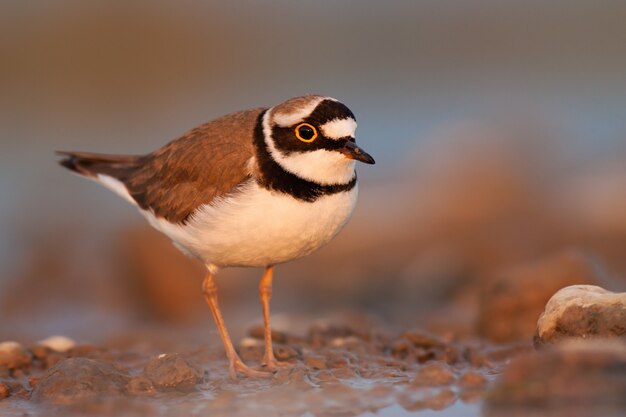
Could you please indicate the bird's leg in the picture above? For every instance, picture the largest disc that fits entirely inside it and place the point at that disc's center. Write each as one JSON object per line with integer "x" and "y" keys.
{"x": 265, "y": 293}
{"x": 235, "y": 363}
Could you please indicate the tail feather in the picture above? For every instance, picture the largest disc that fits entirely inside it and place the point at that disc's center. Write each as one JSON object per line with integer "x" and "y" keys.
{"x": 92, "y": 164}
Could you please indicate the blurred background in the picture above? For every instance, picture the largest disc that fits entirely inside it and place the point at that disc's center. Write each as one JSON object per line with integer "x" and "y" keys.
{"x": 499, "y": 131}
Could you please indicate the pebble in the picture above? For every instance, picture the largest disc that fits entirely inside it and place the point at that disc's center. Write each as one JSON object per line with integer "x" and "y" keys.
{"x": 344, "y": 373}
{"x": 326, "y": 376}
{"x": 13, "y": 355}
{"x": 337, "y": 359}
{"x": 434, "y": 374}
{"x": 79, "y": 379}
{"x": 140, "y": 385}
{"x": 173, "y": 372}
{"x": 4, "y": 391}
{"x": 582, "y": 311}
{"x": 315, "y": 362}
{"x": 472, "y": 379}
{"x": 285, "y": 353}
{"x": 427, "y": 347}
{"x": 57, "y": 343}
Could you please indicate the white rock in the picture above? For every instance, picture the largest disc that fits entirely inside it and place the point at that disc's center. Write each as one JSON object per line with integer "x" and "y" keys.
{"x": 57, "y": 343}
{"x": 10, "y": 346}
{"x": 582, "y": 311}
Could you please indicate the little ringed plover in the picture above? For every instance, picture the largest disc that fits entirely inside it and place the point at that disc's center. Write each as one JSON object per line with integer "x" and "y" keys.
{"x": 254, "y": 188}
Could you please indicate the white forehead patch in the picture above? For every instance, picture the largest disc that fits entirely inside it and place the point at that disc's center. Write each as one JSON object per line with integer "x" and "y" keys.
{"x": 291, "y": 118}
{"x": 339, "y": 128}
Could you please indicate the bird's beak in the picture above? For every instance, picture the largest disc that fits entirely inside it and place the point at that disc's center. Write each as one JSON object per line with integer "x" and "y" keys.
{"x": 350, "y": 150}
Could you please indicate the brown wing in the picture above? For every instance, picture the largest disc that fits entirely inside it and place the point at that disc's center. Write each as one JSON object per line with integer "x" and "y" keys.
{"x": 207, "y": 162}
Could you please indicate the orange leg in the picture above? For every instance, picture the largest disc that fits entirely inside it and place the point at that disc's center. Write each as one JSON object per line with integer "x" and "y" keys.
{"x": 235, "y": 363}
{"x": 265, "y": 293}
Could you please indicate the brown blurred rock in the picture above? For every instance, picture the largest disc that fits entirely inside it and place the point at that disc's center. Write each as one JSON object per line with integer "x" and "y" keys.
{"x": 140, "y": 385}
{"x": 511, "y": 303}
{"x": 472, "y": 379}
{"x": 573, "y": 374}
{"x": 582, "y": 311}
{"x": 315, "y": 362}
{"x": 285, "y": 353}
{"x": 172, "y": 372}
{"x": 13, "y": 355}
{"x": 424, "y": 347}
{"x": 4, "y": 391}
{"x": 434, "y": 374}
{"x": 79, "y": 379}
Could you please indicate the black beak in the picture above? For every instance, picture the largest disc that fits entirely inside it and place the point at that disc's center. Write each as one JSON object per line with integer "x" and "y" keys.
{"x": 350, "y": 150}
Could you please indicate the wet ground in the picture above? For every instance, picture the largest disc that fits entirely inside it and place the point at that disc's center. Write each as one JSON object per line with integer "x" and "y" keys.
{"x": 480, "y": 348}
{"x": 354, "y": 366}
{"x": 344, "y": 369}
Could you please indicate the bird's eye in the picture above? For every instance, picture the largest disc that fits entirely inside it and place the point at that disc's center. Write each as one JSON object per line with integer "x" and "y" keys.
{"x": 306, "y": 132}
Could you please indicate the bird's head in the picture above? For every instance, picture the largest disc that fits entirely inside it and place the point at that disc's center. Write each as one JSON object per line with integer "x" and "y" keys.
{"x": 313, "y": 137}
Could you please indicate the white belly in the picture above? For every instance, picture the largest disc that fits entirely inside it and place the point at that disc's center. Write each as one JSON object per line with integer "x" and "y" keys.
{"x": 257, "y": 227}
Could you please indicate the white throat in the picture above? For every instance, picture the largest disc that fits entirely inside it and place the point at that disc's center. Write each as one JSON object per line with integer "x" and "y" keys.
{"x": 320, "y": 166}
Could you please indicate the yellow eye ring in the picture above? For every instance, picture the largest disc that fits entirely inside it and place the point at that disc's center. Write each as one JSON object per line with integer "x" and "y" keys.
{"x": 306, "y": 132}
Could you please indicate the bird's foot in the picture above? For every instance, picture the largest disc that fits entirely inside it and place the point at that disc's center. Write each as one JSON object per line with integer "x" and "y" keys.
{"x": 237, "y": 366}
{"x": 272, "y": 365}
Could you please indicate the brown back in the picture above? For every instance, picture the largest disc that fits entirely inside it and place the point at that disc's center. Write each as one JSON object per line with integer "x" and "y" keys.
{"x": 206, "y": 162}
{"x": 173, "y": 181}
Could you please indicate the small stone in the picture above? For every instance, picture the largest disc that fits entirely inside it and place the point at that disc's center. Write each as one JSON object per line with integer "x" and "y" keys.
{"x": 423, "y": 339}
{"x": 33, "y": 381}
{"x": 326, "y": 376}
{"x": 315, "y": 362}
{"x": 402, "y": 348}
{"x": 321, "y": 333}
{"x": 57, "y": 343}
{"x": 4, "y": 391}
{"x": 472, "y": 379}
{"x": 78, "y": 379}
{"x": 582, "y": 311}
{"x": 172, "y": 372}
{"x": 344, "y": 373}
{"x": 285, "y": 353}
{"x": 428, "y": 347}
{"x": 13, "y": 355}
{"x": 337, "y": 359}
{"x": 40, "y": 352}
{"x": 434, "y": 374}
{"x": 298, "y": 379}
{"x": 140, "y": 385}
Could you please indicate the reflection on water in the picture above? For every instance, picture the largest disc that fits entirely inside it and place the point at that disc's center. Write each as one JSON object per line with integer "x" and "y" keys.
{"x": 458, "y": 409}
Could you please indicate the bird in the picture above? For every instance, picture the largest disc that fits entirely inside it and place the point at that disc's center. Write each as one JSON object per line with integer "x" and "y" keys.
{"x": 254, "y": 188}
